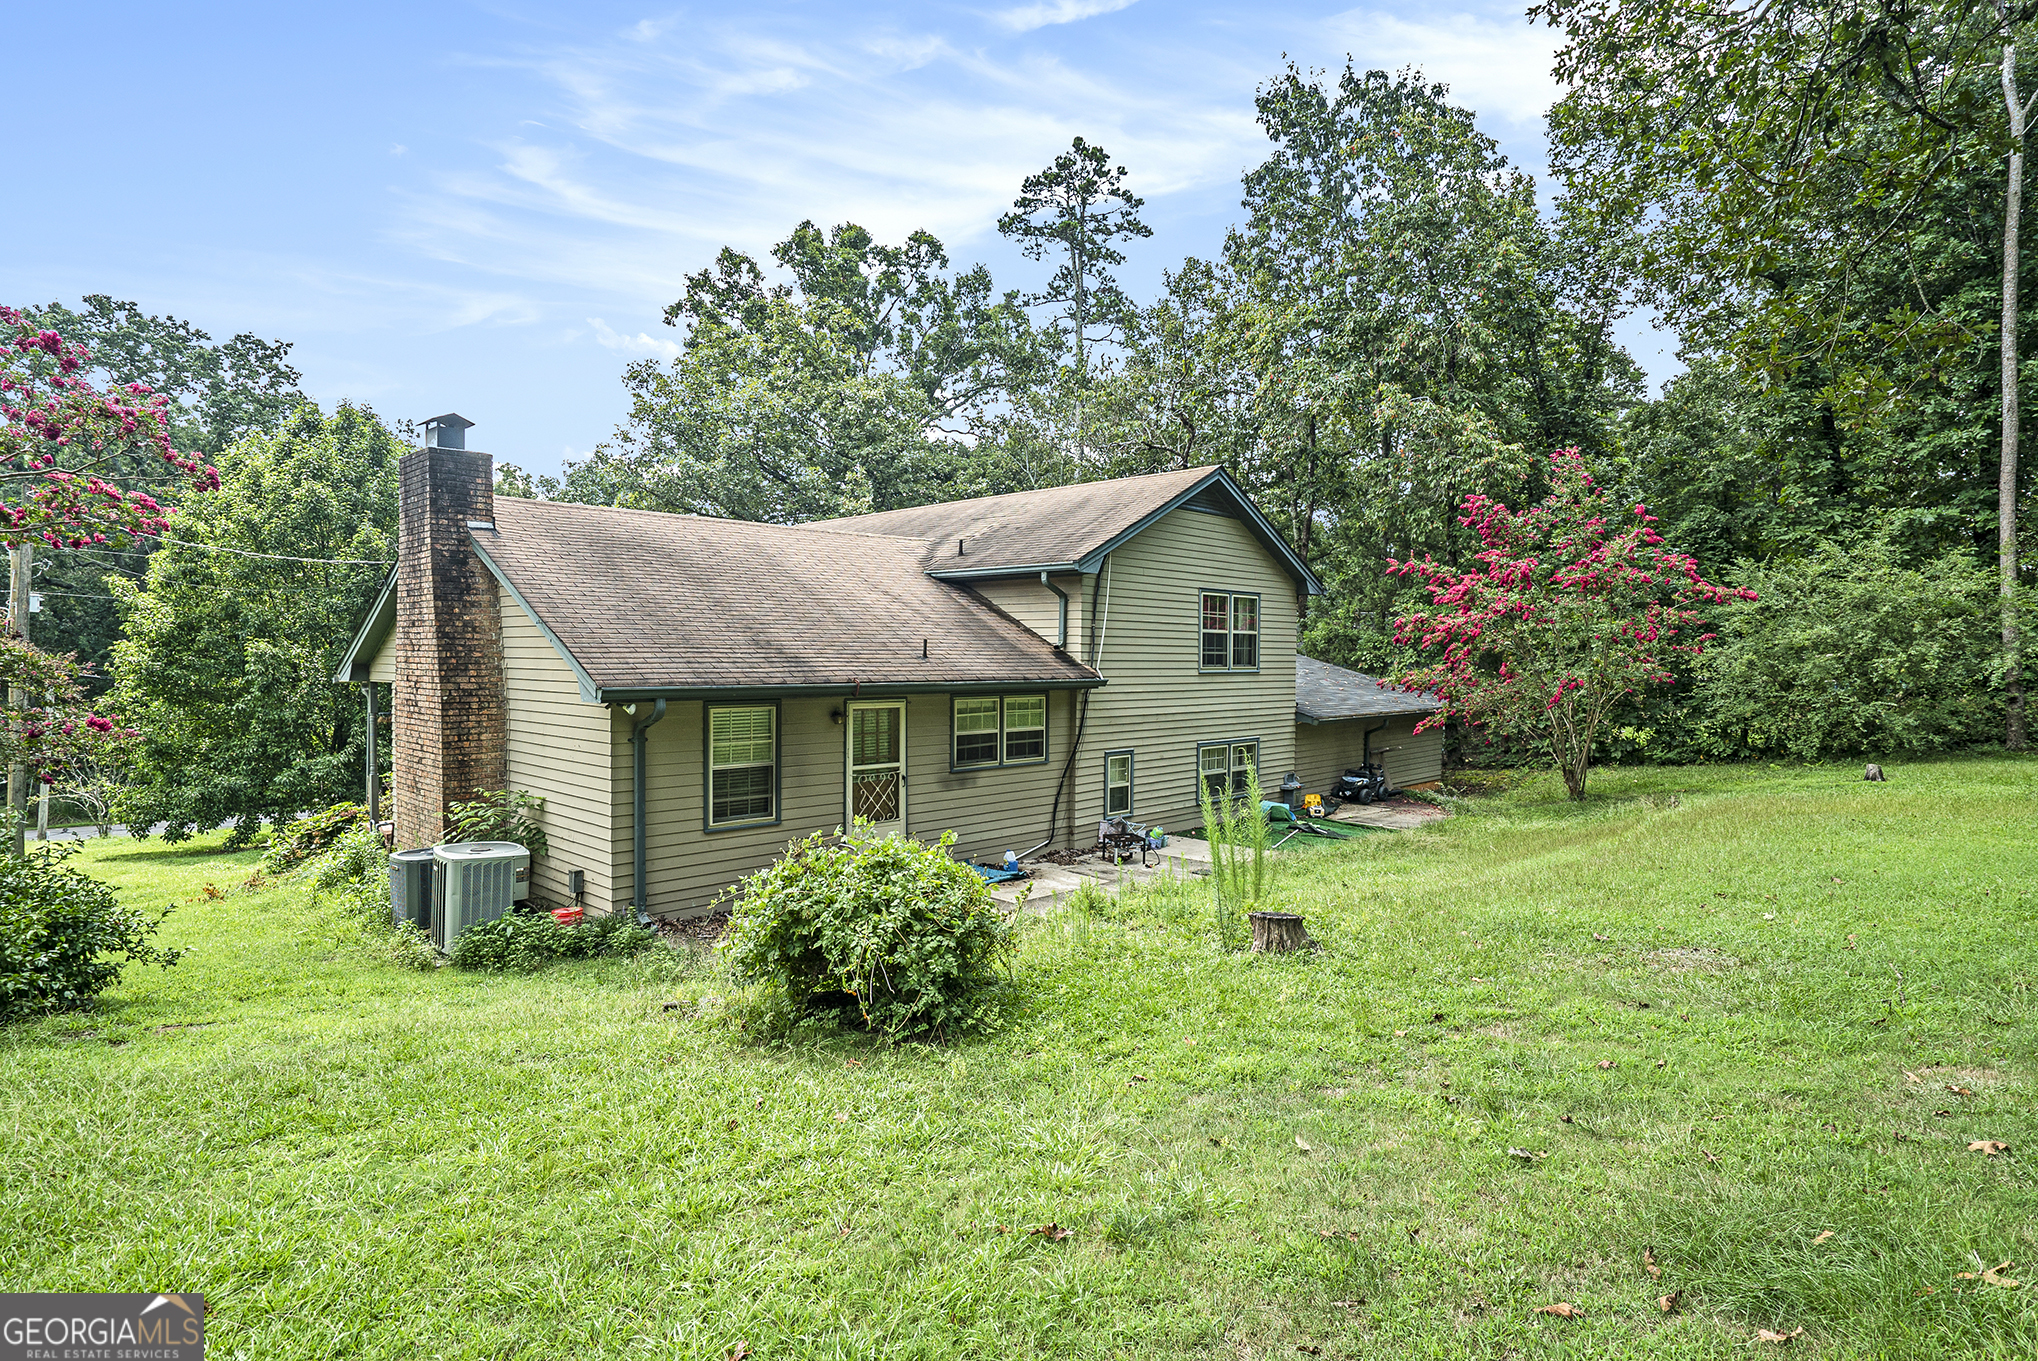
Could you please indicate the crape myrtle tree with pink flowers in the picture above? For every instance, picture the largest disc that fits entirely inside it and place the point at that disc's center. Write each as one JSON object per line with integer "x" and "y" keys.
{"x": 1577, "y": 604}
{"x": 59, "y": 436}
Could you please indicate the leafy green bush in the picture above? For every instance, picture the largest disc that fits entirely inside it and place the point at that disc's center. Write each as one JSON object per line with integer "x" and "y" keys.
{"x": 293, "y": 843}
{"x": 523, "y": 942}
{"x": 64, "y": 937}
{"x": 907, "y": 932}
{"x": 501, "y": 815}
{"x": 1850, "y": 651}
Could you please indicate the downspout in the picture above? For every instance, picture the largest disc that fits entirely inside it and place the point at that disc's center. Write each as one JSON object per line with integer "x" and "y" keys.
{"x": 1061, "y": 641}
{"x": 374, "y": 784}
{"x": 640, "y": 898}
{"x": 1083, "y": 711}
{"x": 1366, "y": 740}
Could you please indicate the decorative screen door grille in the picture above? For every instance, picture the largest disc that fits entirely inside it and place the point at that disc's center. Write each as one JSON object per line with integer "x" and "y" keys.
{"x": 877, "y": 765}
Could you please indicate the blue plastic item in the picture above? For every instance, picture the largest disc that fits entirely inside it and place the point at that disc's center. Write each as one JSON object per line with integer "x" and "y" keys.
{"x": 994, "y": 875}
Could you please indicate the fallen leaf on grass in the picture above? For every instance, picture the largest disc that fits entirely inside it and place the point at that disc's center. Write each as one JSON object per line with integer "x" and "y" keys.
{"x": 1822, "y": 1237}
{"x": 1989, "y": 1276}
{"x": 845, "y": 1231}
{"x": 1053, "y": 1233}
{"x": 1661, "y": 1062}
{"x": 1399, "y": 1033}
{"x": 1709, "y": 1157}
{"x": 1769, "y": 916}
{"x": 1560, "y": 1309}
{"x": 851, "y": 1063}
{"x": 1649, "y": 1264}
{"x": 742, "y": 1350}
{"x": 760, "y": 1103}
{"x": 1988, "y": 1146}
{"x": 1668, "y": 1303}
{"x": 1766, "y": 1335}
{"x": 1942, "y": 1112}
{"x": 1565, "y": 1118}
{"x": 1525, "y": 1155}
{"x": 1959, "y": 1091}
{"x": 1308, "y": 1350}
{"x": 733, "y": 1124}
{"x": 842, "y": 1117}
{"x": 1606, "y": 1063}
{"x": 1597, "y": 936}
{"x": 1303, "y": 1144}
{"x": 1138, "y": 1077}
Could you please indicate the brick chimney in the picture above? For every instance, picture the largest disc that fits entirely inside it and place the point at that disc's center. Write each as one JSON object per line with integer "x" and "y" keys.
{"x": 449, "y": 735}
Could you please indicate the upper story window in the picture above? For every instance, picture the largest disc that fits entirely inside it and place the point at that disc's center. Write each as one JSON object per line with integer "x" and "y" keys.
{"x": 994, "y": 730}
{"x": 1230, "y": 631}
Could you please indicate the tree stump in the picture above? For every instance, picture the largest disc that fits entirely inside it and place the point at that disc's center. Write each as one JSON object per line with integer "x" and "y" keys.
{"x": 1874, "y": 773}
{"x": 1276, "y": 933}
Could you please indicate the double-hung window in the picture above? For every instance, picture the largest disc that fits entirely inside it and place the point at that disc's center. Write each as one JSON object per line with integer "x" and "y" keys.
{"x": 1230, "y": 631}
{"x": 742, "y": 765}
{"x": 1117, "y": 784}
{"x": 994, "y": 730}
{"x": 1228, "y": 769}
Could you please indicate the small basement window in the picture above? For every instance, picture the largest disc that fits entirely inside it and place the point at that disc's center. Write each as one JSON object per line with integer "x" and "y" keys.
{"x": 742, "y": 765}
{"x": 1117, "y": 784}
{"x": 1228, "y": 768}
{"x": 1230, "y": 631}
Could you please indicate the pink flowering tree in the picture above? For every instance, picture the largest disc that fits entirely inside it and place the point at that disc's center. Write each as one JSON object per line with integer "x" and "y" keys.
{"x": 59, "y": 434}
{"x": 59, "y": 437}
{"x": 1577, "y": 604}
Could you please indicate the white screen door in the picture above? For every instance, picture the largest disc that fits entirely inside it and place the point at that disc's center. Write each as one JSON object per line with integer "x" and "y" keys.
{"x": 877, "y": 765}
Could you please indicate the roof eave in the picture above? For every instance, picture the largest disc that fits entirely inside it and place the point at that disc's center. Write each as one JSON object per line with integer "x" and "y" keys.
{"x": 589, "y": 691}
{"x": 370, "y": 634}
{"x": 626, "y": 694}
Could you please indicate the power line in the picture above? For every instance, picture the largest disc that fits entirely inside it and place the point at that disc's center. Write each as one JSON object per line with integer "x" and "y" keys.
{"x": 272, "y": 557}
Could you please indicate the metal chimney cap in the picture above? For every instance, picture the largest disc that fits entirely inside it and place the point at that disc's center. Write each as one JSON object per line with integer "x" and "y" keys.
{"x": 447, "y": 432}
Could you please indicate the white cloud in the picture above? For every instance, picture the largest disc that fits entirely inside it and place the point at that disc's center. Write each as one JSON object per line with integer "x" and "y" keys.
{"x": 639, "y": 343}
{"x": 1025, "y": 18}
{"x": 659, "y": 149}
{"x": 1498, "y": 66}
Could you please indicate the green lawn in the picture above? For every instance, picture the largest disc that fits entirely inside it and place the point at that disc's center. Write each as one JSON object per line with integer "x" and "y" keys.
{"x": 1786, "y": 968}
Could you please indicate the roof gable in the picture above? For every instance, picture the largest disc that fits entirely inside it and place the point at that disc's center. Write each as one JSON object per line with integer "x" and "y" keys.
{"x": 1067, "y": 528}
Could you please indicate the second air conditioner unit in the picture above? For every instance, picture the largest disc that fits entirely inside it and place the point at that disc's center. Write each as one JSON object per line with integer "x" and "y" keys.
{"x": 474, "y": 881}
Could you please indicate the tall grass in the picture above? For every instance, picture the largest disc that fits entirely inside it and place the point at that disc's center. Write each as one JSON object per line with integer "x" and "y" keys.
{"x": 1241, "y": 871}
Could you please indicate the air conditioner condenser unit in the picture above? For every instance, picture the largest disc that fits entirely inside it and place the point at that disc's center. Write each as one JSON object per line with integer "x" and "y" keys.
{"x": 410, "y": 889}
{"x": 475, "y": 881}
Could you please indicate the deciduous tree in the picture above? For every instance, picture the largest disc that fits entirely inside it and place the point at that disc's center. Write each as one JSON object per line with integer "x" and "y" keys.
{"x": 1577, "y": 604}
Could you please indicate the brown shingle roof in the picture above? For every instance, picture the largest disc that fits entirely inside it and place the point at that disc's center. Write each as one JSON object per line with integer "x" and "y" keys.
{"x": 1324, "y": 693}
{"x": 649, "y": 601}
{"x": 1051, "y": 527}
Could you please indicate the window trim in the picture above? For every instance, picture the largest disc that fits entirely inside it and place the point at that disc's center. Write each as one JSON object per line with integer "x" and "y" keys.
{"x": 1046, "y": 732}
{"x": 1131, "y": 782}
{"x": 708, "y": 823}
{"x": 1005, "y": 730}
{"x": 997, "y": 733}
{"x": 1231, "y": 632}
{"x": 1259, "y": 764}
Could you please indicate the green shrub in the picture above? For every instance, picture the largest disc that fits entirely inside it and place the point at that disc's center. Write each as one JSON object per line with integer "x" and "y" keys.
{"x": 523, "y": 942}
{"x": 1850, "y": 651}
{"x": 500, "y": 815}
{"x": 293, "y": 843}
{"x": 907, "y": 932}
{"x": 64, "y": 937}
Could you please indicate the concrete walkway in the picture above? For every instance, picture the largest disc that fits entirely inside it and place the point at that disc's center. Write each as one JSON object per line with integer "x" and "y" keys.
{"x": 1183, "y": 857}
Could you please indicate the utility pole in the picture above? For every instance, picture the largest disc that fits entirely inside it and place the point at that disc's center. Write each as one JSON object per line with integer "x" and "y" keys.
{"x": 22, "y": 557}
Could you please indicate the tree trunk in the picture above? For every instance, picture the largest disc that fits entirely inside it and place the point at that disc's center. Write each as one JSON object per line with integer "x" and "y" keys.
{"x": 1276, "y": 933}
{"x": 2006, "y": 486}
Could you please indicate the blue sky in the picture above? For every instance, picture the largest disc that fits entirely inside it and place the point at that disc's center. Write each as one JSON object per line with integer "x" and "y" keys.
{"x": 485, "y": 207}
